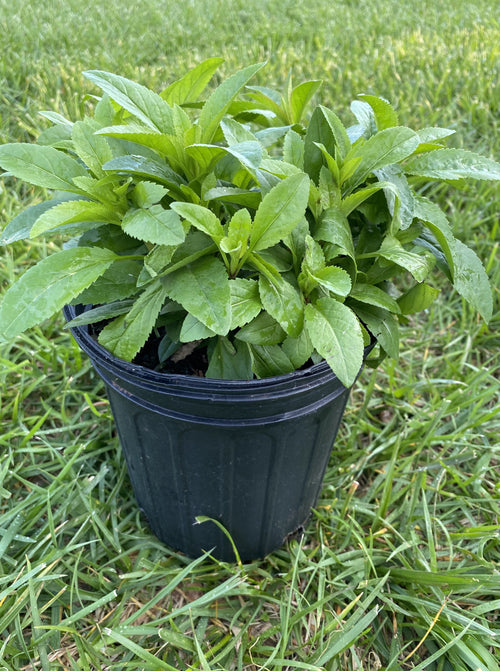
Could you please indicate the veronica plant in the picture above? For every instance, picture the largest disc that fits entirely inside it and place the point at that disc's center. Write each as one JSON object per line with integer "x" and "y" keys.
{"x": 232, "y": 223}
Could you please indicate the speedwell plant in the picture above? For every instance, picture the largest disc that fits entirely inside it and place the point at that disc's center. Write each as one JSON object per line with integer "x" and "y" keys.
{"x": 239, "y": 223}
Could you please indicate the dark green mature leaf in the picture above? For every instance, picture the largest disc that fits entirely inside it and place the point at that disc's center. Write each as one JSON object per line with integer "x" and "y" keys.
{"x": 334, "y": 279}
{"x": 189, "y": 88}
{"x": 384, "y": 148}
{"x": 119, "y": 281}
{"x": 324, "y": 128}
{"x": 336, "y": 335}
{"x": 452, "y": 164}
{"x": 155, "y": 171}
{"x": 228, "y": 361}
{"x": 201, "y": 218}
{"x": 280, "y": 211}
{"x": 45, "y": 288}
{"x": 384, "y": 327}
{"x": 73, "y": 211}
{"x": 126, "y": 335}
{"x": 293, "y": 149}
{"x": 193, "y": 329}
{"x": 334, "y": 228}
{"x": 263, "y": 330}
{"x": 400, "y": 195}
{"x": 417, "y": 264}
{"x": 471, "y": 281}
{"x": 155, "y": 225}
{"x": 20, "y": 227}
{"x": 202, "y": 288}
{"x": 299, "y": 98}
{"x": 101, "y": 313}
{"x": 270, "y": 360}
{"x": 372, "y": 295}
{"x": 435, "y": 219}
{"x": 234, "y": 195}
{"x": 41, "y": 166}
{"x": 140, "y": 101}
{"x": 220, "y": 100}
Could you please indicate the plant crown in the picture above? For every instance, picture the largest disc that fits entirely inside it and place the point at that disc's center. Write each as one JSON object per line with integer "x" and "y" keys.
{"x": 231, "y": 221}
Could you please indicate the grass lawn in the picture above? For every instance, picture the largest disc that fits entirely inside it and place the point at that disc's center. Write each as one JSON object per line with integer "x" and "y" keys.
{"x": 400, "y": 565}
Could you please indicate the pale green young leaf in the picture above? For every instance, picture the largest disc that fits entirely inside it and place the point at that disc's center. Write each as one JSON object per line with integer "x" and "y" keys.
{"x": 269, "y": 361}
{"x": 293, "y": 149}
{"x": 144, "y": 104}
{"x": 417, "y": 299}
{"x": 20, "y": 227}
{"x": 45, "y": 288}
{"x": 217, "y": 105}
{"x": 453, "y": 164}
{"x": 92, "y": 149}
{"x": 280, "y": 211}
{"x": 193, "y": 329}
{"x": 283, "y": 302}
{"x": 372, "y": 295}
{"x": 334, "y": 279}
{"x": 126, "y": 335}
{"x": 201, "y": 218}
{"x": 383, "y": 326}
{"x": 433, "y": 134}
{"x": 238, "y": 234}
{"x": 262, "y": 330}
{"x": 146, "y": 194}
{"x": 202, "y": 288}
{"x": 228, "y": 361}
{"x": 388, "y": 146}
{"x": 348, "y": 204}
{"x": 270, "y": 136}
{"x": 248, "y": 153}
{"x": 336, "y": 335}
{"x": 189, "y": 88}
{"x": 385, "y": 114}
{"x": 155, "y": 225}
{"x": 235, "y": 132}
{"x": 41, "y": 166}
{"x": 299, "y": 99}
{"x": 245, "y": 301}
{"x": 269, "y": 99}
{"x": 71, "y": 212}
{"x": 419, "y": 265}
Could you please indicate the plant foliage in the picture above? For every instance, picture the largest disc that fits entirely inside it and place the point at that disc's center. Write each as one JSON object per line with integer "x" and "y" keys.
{"x": 236, "y": 222}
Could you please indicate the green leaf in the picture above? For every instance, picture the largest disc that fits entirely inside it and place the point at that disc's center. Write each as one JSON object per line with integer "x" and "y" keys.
{"x": 336, "y": 335}
{"x": 126, "y": 335}
{"x": 293, "y": 149}
{"x": 283, "y": 302}
{"x": 400, "y": 196}
{"x": 452, "y": 164}
{"x": 155, "y": 225}
{"x": 101, "y": 313}
{"x": 45, "y": 288}
{"x": 20, "y": 227}
{"x": 73, "y": 211}
{"x": 119, "y": 281}
{"x": 372, "y": 295}
{"x": 334, "y": 228}
{"x": 263, "y": 330}
{"x": 146, "y": 194}
{"x": 238, "y": 234}
{"x": 229, "y": 362}
{"x": 417, "y": 299}
{"x": 41, "y": 166}
{"x": 236, "y": 196}
{"x": 299, "y": 349}
{"x": 201, "y": 218}
{"x": 299, "y": 98}
{"x": 471, "y": 281}
{"x": 385, "y": 114}
{"x": 280, "y": 211}
{"x": 144, "y": 104}
{"x": 417, "y": 264}
{"x": 155, "y": 171}
{"x": 189, "y": 88}
{"x": 334, "y": 279}
{"x": 348, "y": 204}
{"x": 193, "y": 329}
{"x": 220, "y": 100}
{"x": 203, "y": 289}
{"x": 245, "y": 301}
{"x": 270, "y": 360}
{"x": 93, "y": 149}
{"x": 383, "y": 326}
{"x": 386, "y": 147}
{"x": 324, "y": 128}
{"x": 437, "y": 222}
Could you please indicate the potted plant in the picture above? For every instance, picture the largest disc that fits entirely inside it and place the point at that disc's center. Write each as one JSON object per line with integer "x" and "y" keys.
{"x": 228, "y": 265}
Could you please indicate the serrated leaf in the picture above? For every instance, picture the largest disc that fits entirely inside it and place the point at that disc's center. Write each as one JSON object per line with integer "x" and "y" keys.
{"x": 20, "y": 227}
{"x": 146, "y": 194}
{"x": 73, "y": 211}
{"x": 262, "y": 330}
{"x": 155, "y": 225}
{"x": 283, "y": 302}
{"x": 270, "y": 360}
{"x": 372, "y": 295}
{"x": 417, "y": 299}
{"x": 142, "y": 167}
{"x": 384, "y": 327}
{"x": 386, "y": 147}
{"x": 334, "y": 228}
{"x": 101, "y": 313}
{"x": 119, "y": 281}
{"x": 202, "y": 288}
{"x": 280, "y": 211}
{"x": 41, "y": 166}
{"x": 293, "y": 149}
{"x": 453, "y": 164}
{"x": 188, "y": 88}
{"x": 435, "y": 219}
{"x": 236, "y": 196}
{"x": 336, "y": 335}
{"x": 471, "y": 281}
{"x": 385, "y": 114}
{"x": 45, "y": 288}
{"x": 93, "y": 149}
{"x": 365, "y": 117}
{"x": 193, "y": 329}
{"x": 220, "y": 100}
{"x": 238, "y": 234}
{"x": 228, "y": 361}
{"x": 245, "y": 301}
{"x": 126, "y": 335}
{"x": 417, "y": 264}
{"x": 144, "y": 104}
{"x": 334, "y": 279}
{"x": 201, "y": 218}
{"x": 400, "y": 196}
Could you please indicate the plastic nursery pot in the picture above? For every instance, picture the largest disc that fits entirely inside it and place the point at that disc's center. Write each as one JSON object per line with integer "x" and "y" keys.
{"x": 250, "y": 454}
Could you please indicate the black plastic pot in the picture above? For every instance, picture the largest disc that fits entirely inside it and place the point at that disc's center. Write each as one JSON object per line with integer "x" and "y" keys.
{"x": 251, "y": 454}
